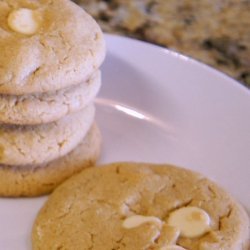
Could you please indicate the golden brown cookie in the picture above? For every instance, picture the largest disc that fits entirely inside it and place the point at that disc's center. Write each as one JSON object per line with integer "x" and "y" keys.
{"x": 48, "y": 107}
{"x": 140, "y": 206}
{"x": 34, "y": 180}
{"x": 22, "y": 145}
{"x": 46, "y": 45}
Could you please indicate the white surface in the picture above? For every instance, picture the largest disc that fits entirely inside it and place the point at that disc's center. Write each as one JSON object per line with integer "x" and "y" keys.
{"x": 159, "y": 106}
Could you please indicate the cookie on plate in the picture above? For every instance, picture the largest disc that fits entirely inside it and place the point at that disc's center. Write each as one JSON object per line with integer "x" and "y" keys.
{"x": 140, "y": 206}
{"x": 34, "y": 180}
{"x": 22, "y": 145}
{"x": 46, "y": 45}
{"x": 48, "y": 107}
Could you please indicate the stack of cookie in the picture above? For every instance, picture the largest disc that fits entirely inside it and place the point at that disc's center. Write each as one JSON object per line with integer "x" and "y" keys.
{"x": 51, "y": 51}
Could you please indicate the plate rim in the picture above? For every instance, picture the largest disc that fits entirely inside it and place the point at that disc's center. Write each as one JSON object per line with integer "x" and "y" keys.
{"x": 183, "y": 57}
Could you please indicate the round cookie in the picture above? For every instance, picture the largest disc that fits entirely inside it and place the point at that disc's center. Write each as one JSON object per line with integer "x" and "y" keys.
{"x": 134, "y": 206}
{"x": 65, "y": 50}
{"x": 34, "y": 180}
{"x": 48, "y": 107}
{"x": 22, "y": 145}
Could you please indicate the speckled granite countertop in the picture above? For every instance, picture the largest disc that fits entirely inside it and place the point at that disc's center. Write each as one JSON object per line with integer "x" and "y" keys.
{"x": 215, "y": 32}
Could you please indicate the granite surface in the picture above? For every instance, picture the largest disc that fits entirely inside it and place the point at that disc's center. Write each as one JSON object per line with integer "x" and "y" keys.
{"x": 215, "y": 32}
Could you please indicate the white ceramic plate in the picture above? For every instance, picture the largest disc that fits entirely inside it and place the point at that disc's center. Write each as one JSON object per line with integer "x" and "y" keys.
{"x": 159, "y": 106}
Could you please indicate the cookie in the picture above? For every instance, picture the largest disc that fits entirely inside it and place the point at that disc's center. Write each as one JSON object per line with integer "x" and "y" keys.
{"x": 22, "y": 145}
{"x": 139, "y": 206}
{"x": 34, "y": 180}
{"x": 48, "y": 107}
{"x": 46, "y": 45}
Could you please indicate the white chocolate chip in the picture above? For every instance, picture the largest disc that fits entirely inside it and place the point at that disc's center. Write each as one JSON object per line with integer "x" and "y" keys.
{"x": 24, "y": 21}
{"x": 173, "y": 247}
{"x": 192, "y": 221}
{"x": 137, "y": 220}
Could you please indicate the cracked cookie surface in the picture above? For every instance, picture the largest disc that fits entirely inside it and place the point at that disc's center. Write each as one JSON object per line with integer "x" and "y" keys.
{"x": 21, "y": 145}
{"x": 88, "y": 211}
{"x": 34, "y": 180}
{"x": 66, "y": 49}
{"x": 48, "y": 107}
